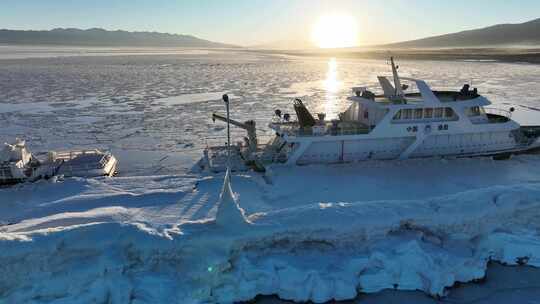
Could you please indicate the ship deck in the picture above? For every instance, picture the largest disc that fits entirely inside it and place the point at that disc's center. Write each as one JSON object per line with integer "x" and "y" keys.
{"x": 216, "y": 159}
{"x": 324, "y": 129}
{"x": 86, "y": 163}
{"x": 443, "y": 96}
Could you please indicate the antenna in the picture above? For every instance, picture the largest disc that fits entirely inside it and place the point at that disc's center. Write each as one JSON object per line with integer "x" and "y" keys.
{"x": 397, "y": 82}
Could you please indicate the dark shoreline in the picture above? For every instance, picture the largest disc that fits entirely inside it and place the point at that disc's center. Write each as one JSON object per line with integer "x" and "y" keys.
{"x": 461, "y": 54}
{"x": 503, "y": 55}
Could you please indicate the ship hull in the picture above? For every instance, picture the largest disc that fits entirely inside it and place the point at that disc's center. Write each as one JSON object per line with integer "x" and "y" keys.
{"x": 447, "y": 145}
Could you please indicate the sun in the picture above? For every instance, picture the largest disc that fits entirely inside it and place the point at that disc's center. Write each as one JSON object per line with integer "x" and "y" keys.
{"x": 335, "y": 31}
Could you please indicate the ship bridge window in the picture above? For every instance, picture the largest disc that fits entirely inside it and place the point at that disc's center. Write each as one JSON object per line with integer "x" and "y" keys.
{"x": 418, "y": 113}
{"x": 474, "y": 111}
{"x": 407, "y": 114}
{"x": 428, "y": 113}
{"x": 449, "y": 113}
{"x": 425, "y": 114}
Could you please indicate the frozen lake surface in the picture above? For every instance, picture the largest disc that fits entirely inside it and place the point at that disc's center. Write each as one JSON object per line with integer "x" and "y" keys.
{"x": 155, "y": 106}
{"x": 316, "y": 233}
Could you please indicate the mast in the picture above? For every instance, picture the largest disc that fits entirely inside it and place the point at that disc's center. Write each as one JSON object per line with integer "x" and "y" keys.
{"x": 226, "y": 100}
{"x": 397, "y": 82}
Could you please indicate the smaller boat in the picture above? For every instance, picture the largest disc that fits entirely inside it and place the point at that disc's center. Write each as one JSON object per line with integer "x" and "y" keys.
{"x": 18, "y": 165}
{"x": 85, "y": 163}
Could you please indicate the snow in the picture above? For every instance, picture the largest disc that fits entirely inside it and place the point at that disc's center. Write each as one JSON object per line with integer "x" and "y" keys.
{"x": 70, "y": 239}
{"x": 229, "y": 214}
{"x": 160, "y": 233}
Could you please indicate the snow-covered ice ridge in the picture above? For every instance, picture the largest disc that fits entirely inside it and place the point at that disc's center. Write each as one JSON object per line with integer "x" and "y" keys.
{"x": 154, "y": 239}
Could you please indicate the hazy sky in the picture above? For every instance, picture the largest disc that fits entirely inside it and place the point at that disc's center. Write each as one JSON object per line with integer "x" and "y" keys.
{"x": 249, "y": 22}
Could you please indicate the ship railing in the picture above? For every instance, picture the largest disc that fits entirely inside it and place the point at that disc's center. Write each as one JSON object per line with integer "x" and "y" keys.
{"x": 220, "y": 142}
{"x": 304, "y": 132}
{"x": 272, "y": 158}
{"x": 67, "y": 155}
{"x": 5, "y": 173}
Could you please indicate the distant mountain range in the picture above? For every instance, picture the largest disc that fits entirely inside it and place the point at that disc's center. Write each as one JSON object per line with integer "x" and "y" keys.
{"x": 101, "y": 37}
{"x": 501, "y": 35}
{"x": 522, "y": 34}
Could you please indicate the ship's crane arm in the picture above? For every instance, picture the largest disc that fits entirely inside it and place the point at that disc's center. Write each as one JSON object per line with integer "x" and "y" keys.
{"x": 244, "y": 126}
{"x": 249, "y": 126}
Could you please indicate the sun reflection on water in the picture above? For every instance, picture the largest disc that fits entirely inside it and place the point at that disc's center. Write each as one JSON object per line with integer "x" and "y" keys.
{"x": 332, "y": 85}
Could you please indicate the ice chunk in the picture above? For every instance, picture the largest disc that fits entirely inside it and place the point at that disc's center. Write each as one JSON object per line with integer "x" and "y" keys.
{"x": 229, "y": 213}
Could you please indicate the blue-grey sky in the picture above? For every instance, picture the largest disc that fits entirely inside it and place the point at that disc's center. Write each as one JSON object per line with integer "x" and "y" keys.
{"x": 249, "y": 22}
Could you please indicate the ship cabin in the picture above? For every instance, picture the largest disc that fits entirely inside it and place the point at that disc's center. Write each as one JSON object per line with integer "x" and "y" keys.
{"x": 424, "y": 106}
{"x": 371, "y": 113}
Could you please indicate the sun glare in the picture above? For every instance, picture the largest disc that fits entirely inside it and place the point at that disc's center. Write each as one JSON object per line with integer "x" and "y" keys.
{"x": 335, "y": 31}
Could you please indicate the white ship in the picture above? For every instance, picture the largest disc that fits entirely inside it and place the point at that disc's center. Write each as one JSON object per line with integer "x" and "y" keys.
{"x": 393, "y": 125}
{"x": 18, "y": 165}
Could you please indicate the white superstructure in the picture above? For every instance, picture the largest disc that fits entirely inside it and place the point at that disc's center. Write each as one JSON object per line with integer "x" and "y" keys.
{"x": 398, "y": 125}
